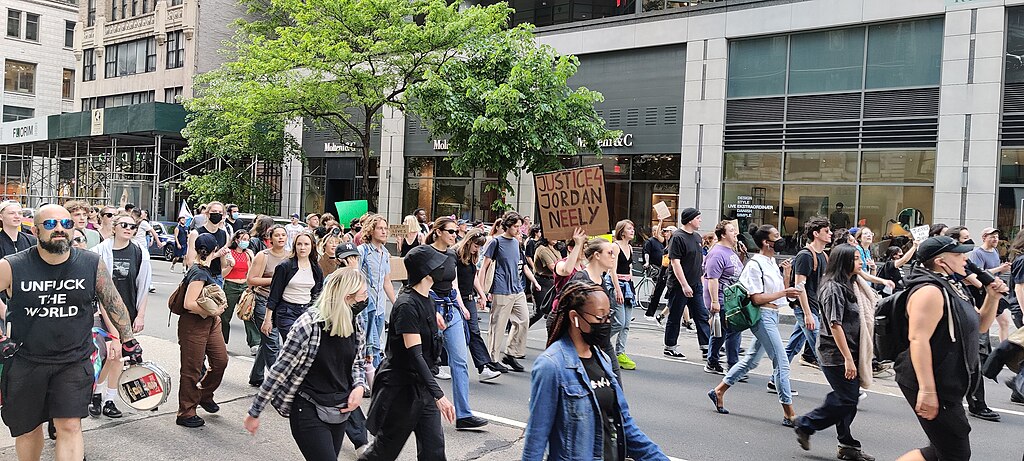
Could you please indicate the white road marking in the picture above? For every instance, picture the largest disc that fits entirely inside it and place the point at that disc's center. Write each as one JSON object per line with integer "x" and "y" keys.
{"x": 522, "y": 425}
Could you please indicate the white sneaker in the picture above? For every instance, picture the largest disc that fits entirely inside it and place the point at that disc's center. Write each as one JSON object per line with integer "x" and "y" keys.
{"x": 863, "y": 395}
{"x": 254, "y": 350}
{"x": 443, "y": 373}
{"x": 362, "y": 449}
{"x": 488, "y": 374}
{"x": 649, "y": 318}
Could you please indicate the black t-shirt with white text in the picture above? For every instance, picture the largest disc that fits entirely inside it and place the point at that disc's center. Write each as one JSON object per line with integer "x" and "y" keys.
{"x": 611, "y": 420}
{"x": 125, "y": 271}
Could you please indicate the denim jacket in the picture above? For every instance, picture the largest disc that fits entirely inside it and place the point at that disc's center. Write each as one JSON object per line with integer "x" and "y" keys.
{"x": 563, "y": 411}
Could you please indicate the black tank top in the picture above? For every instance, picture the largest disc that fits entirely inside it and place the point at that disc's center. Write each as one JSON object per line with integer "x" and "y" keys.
{"x": 222, "y": 240}
{"x": 624, "y": 265}
{"x": 51, "y": 307}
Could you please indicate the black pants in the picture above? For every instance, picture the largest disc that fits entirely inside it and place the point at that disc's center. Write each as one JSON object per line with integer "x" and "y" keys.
{"x": 659, "y": 288}
{"x": 1000, "y": 357}
{"x": 839, "y": 408}
{"x": 405, "y": 410}
{"x": 976, "y": 400}
{"x": 948, "y": 434}
{"x": 317, "y": 440}
{"x": 477, "y": 346}
{"x": 546, "y": 285}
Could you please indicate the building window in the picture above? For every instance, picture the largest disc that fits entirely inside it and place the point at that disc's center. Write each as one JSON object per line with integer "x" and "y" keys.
{"x": 873, "y": 188}
{"x": 566, "y": 11}
{"x": 90, "y": 18}
{"x": 175, "y": 50}
{"x": 904, "y": 54}
{"x": 119, "y": 9}
{"x": 176, "y": 2}
{"x": 828, "y": 61}
{"x": 135, "y": 7}
{"x": 172, "y": 95}
{"x": 117, "y": 100}
{"x": 129, "y": 58}
{"x": 13, "y": 23}
{"x": 32, "y": 27}
{"x": 757, "y": 67}
{"x": 89, "y": 65}
{"x": 67, "y": 90}
{"x": 69, "y": 34}
{"x": 20, "y": 77}
{"x": 15, "y": 113}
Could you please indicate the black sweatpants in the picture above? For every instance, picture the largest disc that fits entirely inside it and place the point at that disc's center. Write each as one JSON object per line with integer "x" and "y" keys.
{"x": 317, "y": 440}
{"x": 405, "y": 410}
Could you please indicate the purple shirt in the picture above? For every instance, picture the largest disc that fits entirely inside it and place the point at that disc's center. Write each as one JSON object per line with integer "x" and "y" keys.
{"x": 723, "y": 264}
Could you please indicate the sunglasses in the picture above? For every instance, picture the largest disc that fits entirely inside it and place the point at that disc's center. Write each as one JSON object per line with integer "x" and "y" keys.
{"x": 51, "y": 224}
{"x": 78, "y": 240}
{"x": 451, "y": 231}
{"x": 107, "y": 215}
{"x": 125, "y": 225}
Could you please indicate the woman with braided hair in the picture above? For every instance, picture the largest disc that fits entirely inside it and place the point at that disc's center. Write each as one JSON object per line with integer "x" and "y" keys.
{"x": 577, "y": 407}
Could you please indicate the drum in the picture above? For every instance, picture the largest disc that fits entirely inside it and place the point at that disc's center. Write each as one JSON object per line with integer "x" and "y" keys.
{"x": 144, "y": 386}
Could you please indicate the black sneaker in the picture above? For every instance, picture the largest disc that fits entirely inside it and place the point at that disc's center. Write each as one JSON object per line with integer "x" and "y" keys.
{"x": 853, "y": 453}
{"x": 470, "y": 423}
{"x": 192, "y": 421}
{"x": 773, "y": 390}
{"x": 497, "y": 367}
{"x": 803, "y": 438}
{"x": 210, "y": 407}
{"x": 512, "y": 363}
{"x": 672, "y": 353}
{"x": 1015, "y": 397}
{"x": 714, "y": 369}
{"x": 51, "y": 430}
{"x": 111, "y": 411}
{"x": 96, "y": 405}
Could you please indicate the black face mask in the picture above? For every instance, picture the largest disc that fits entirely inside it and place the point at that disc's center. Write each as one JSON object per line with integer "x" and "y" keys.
{"x": 779, "y": 245}
{"x": 216, "y": 217}
{"x": 599, "y": 334}
{"x": 359, "y": 306}
{"x": 969, "y": 242}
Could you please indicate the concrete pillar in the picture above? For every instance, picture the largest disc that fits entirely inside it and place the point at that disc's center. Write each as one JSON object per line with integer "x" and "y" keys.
{"x": 291, "y": 175}
{"x": 700, "y": 171}
{"x": 969, "y": 111}
{"x": 392, "y": 165}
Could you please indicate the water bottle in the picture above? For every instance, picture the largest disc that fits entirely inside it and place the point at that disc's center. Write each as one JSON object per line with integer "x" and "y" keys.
{"x": 716, "y": 325}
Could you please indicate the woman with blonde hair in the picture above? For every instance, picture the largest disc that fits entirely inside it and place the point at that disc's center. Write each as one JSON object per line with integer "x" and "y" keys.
{"x": 320, "y": 370}
{"x": 413, "y": 237}
{"x": 622, "y": 303}
{"x": 327, "y": 247}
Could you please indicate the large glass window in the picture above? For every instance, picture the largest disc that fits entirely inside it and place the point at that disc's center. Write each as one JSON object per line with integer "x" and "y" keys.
{"x": 751, "y": 203}
{"x": 753, "y": 166}
{"x": 32, "y": 27}
{"x": 905, "y": 53}
{"x": 901, "y": 166}
{"x": 757, "y": 67}
{"x": 633, "y": 184}
{"x": 69, "y": 34}
{"x": 821, "y": 166}
{"x": 20, "y": 77}
{"x": 67, "y": 89}
{"x": 128, "y": 58}
{"x": 546, "y": 13}
{"x": 907, "y": 206}
{"x": 15, "y": 113}
{"x": 90, "y": 15}
{"x": 175, "y": 50}
{"x": 828, "y": 61}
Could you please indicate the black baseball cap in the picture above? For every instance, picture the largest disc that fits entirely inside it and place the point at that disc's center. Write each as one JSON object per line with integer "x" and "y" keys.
{"x": 934, "y": 246}
{"x": 345, "y": 250}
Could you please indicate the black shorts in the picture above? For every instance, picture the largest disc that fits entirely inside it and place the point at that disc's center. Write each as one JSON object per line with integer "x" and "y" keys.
{"x": 949, "y": 433}
{"x": 34, "y": 393}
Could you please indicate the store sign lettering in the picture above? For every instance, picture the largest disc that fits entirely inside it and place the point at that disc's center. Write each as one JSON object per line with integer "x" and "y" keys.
{"x": 745, "y": 207}
{"x": 28, "y": 130}
{"x": 441, "y": 144}
{"x": 338, "y": 147}
{"x": 626, "y": 140}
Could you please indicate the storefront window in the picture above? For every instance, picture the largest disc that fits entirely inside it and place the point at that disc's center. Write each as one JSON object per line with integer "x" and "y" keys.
{"x": 881, "y": 207}
{"x": 753, "y": 166}
{"x": 432, "y": 184}
{"x": 1014, "y": 45}
{"x": 756, "y": 204}
{"x": 454, "y": 198}
{"x": 903, "y": 166}
{"x": 821, "y": 166}
{"x": 804, "y": 201}
{"x": 905, "y": 53}
{"x": 656, "y": 167}
{"x": 1011, "y": 166}
{"x": 827, "y": 61}
{"x": 1009, "y": 218}
{"x": 757, "y": 67}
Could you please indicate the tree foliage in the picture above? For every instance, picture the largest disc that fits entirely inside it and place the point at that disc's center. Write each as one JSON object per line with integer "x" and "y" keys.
{"x": 336, "y": 63}
{"x": 506, "y": 107}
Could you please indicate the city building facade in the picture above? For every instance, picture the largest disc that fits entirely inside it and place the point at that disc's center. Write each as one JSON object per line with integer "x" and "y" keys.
{"x": 36, "y": 50}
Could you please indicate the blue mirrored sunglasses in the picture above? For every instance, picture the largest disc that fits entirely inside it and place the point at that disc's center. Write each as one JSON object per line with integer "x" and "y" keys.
{"x": 51, "y": 224}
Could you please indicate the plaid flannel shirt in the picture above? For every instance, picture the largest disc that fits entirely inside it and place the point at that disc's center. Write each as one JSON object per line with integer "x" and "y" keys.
{"x": 293, "y": 362}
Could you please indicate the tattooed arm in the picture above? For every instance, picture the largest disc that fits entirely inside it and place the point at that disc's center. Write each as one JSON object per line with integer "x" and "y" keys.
{"x": 111, "y": 300}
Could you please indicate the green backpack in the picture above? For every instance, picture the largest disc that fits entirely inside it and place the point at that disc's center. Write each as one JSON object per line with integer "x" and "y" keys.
{"x": 740, "y": 311}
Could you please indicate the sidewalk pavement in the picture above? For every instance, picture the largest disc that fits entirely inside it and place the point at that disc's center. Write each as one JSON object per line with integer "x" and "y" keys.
{"x": 153, "y": 435}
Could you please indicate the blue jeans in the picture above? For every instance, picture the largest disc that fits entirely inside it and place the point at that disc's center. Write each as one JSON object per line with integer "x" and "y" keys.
{"x": 455, "y": 344}
{"x": 621, "y": 317}
{"x": 731, "y": 339}
{"x": 801, "y": 333}
{"x": 766, "y": 340}
{"x": 373, "y": 325}
{"x": 268, "y": 344}
{"x": 676, "y": 302}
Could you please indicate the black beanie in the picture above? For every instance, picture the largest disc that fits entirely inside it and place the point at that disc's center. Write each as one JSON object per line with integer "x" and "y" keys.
{"x": 687, "y": 215}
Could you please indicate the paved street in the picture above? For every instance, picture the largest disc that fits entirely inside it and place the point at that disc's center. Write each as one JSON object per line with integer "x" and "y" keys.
{"x": 666, "y": 397}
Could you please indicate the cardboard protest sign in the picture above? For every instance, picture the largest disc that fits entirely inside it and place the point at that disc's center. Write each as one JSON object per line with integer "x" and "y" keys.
{"x": 920, "y": 232}
{"x": 351, "y": 209}
{"x": 572, "y": 198}
{"x": 398, "y": 271}
{"x": 661, "y": 210}
{"x": 398, "y": 231}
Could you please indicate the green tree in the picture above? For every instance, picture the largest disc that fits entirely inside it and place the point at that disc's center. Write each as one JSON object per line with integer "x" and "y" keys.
{"x": 336, "y": 63}
{"x": 506, "y": 107}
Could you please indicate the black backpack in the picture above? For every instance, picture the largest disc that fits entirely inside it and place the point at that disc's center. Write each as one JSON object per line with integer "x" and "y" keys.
{"x": 892, "y": 328}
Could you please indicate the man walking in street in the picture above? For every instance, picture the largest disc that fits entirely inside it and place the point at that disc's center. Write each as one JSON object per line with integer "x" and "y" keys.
{"x": 509, "y": 296}
{"x": 214, "y": 214}
{"x": 686, "y": 259}
{"x": 293, "y": 229}
{"x": 51, "y": 288}
{"x": 12, "y": 239}
{"x": 986, "y": 257}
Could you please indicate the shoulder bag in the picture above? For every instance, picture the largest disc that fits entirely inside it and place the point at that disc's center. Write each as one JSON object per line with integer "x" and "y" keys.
{"x": 741, "y": 312}
{"x": 489, "y": 276}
